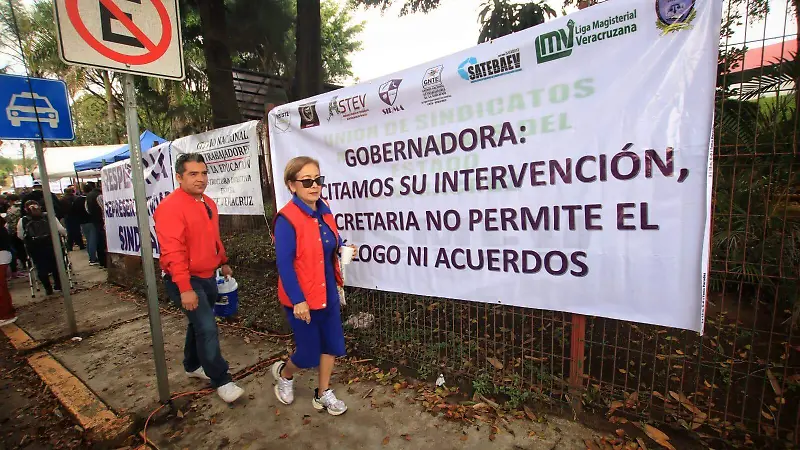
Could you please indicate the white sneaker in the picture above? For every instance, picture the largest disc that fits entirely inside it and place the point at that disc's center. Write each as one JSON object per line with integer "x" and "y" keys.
{"x": 229, "y": 392}
{"x": 330, "y": 403}
{"x": 284, "y": 389}
{"x": 199, "y": 373}
{"x": 7, "y": 321}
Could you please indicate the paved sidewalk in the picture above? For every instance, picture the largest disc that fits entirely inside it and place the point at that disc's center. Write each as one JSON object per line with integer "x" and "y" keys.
{"x": 114, "y": 360}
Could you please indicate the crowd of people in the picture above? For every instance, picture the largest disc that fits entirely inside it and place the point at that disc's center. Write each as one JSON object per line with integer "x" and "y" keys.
{"x": 25, "y": 238}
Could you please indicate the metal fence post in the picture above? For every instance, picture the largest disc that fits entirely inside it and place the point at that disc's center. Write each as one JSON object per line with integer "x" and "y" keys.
{"x": 577, "y": 357}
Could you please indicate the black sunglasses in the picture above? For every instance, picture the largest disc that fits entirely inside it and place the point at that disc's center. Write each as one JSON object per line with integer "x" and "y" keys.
{"x": 307, "y": 183}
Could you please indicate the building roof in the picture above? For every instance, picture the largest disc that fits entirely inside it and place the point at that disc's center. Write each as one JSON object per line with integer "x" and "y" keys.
{"x": 767, "y": 55}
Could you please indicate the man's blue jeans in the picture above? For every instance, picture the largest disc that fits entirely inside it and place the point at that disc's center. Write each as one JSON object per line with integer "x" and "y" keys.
{"x": 202, "y": 339}
{"x": 90, "y": 232}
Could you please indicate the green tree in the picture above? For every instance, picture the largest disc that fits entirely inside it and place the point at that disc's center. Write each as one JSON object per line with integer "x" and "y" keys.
{"x": 409, "y": 7}
{"x": 92, "y": 128}
{"x": 6, "y": 169}
{"x": 502, "y": 17}
{"x": 224, "y": 109}
{"x": 271, "y": 49}
{"x": 497, "y": 17}
{"x": 339, "y": 41}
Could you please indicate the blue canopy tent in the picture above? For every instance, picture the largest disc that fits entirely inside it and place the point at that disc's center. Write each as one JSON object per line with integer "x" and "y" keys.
{"x": 148, "y": 140}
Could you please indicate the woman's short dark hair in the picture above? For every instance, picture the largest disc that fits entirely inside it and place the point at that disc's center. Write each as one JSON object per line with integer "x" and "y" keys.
{"x": 180, "y": 164}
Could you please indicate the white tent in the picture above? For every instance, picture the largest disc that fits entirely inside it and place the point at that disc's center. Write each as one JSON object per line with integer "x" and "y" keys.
{"x": 60, "y": 160}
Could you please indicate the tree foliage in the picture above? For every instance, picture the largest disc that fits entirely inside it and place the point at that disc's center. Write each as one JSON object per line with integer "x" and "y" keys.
{"x": 501, "y": 17}
{"x": 409, "y": 7}
{"x": 272, "y": 49}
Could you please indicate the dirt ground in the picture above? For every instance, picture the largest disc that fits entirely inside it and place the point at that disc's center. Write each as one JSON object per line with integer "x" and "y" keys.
{"x": 30, "y": 416}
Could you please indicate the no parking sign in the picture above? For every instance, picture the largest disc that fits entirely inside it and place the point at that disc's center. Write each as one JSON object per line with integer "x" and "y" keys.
{"x": 141, "y": 37}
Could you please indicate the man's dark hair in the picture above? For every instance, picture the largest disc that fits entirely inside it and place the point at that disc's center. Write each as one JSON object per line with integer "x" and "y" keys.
{"x": 88, "y": 187}
{"x": 180, "y": 164}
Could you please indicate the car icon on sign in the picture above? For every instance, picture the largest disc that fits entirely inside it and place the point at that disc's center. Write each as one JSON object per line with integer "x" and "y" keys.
{"x": 25, "y": 106}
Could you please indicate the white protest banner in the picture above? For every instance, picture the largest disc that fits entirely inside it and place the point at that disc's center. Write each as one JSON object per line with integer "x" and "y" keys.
{"x": 565, "y": 167}
{"x": 231, "y": 154}
{"x": 23, "y": 181}
{"x": 122, "y": 229}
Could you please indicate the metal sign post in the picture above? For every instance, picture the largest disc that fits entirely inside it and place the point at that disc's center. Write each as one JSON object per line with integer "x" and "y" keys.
{"x": 142, "y": 217}
{"x": 56, "y": 238}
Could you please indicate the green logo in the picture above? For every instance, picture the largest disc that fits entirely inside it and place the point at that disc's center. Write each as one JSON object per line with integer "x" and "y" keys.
{"x": 555, "y": 44}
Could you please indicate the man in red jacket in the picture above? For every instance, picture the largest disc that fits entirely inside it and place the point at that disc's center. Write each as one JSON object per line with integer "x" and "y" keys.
{"x": 187, "y": 227}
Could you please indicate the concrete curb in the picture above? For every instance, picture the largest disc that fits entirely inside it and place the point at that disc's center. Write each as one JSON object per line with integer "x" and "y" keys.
{"x": 100, "y": 423}
{"x": 21, "y": 340}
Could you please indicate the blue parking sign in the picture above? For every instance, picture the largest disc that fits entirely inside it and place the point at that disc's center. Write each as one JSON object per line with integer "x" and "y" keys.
{"x": 34, "y": 109}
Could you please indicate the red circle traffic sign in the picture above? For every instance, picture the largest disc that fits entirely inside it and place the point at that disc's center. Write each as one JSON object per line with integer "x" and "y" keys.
{"x": 154, "y": 51}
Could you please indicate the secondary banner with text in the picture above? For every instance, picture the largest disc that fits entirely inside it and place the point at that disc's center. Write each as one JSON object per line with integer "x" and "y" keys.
{"x": 122, "y": 228}
{"x": 231, "y": 155}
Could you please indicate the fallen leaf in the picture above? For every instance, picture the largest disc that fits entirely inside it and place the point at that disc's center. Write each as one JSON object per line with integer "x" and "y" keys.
{"x": 641, "y": 443}
{"x": 623, "y": 371}
{"x": 386, "y": 440}
{"x": 464, "y": 438}
{"x": 658, "y": 436}
{"x": 632, "y": 400}
{"x": 284, "y": 435}
{"x": 774, "y": 382}
{"x": 277, "y": 412}
{"x": 306, "y": 421}
{"x": 614, "y": 406}
{"x": 591, "y": 445}
{"x": 180, "y": 414}
{"x": 620, "y": 432}
{"x": 767, "y": 415}
{"x": 497, "y": 364}
{"x": 679, "y": 352}
{"x": 699, "y": 416}
{"x": 406, "y": 437}
{"x": 529, "y": 413}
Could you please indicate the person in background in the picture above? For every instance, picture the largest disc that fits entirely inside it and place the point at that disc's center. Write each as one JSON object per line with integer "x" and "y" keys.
{"x": 38, "y": 194}
{"x": 94, "y": 206}
{"x": 35, "y": 231}
{"x": 307, "y": 245}
{"x": 72, "y": 219}
{"x": 7, "y": 313}
{"x": 89, "y": 228}
{"x": 18, "y": 251}
{"x": 187, "y": 227}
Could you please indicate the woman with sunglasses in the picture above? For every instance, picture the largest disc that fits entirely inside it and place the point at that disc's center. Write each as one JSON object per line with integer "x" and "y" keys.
{"x": 307, "y": 245}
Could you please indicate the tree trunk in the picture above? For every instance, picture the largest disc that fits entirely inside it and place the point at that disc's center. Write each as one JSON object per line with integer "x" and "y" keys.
{"x": 796, "y": 4}
{"x": 113, "y": 132}
{"x": 224, "y": 109}
{"x": 308, "y": 55}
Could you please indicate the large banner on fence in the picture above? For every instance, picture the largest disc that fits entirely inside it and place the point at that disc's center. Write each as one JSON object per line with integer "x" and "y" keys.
{"x": 565, "y": 167}
{"x": 122, "y": 229}
{"x": 231, "y": 154}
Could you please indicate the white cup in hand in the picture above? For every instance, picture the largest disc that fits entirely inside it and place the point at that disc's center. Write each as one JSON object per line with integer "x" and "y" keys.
{"x": 347, "y": 254}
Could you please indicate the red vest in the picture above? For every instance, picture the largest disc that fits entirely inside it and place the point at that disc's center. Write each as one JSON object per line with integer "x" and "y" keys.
{"x": 309, "y": 257}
